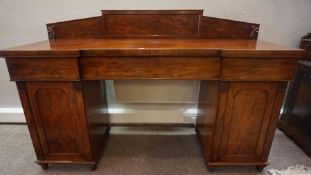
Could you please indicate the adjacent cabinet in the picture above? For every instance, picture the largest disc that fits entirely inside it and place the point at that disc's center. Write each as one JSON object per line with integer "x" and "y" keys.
{"x": 296, "y": 119}
{"x": 243, "y": 81}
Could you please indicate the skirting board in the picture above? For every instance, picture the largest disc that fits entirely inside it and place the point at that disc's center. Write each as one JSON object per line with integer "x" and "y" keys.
{"x": 12, "y": 118}
{"x": 171, "y": 115}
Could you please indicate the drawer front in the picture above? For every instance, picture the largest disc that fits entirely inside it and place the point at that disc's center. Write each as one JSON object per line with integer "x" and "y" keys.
{"x": 43, "y": 69}
{"x": 241, "y": 69}
{"x": 184, "y": 68}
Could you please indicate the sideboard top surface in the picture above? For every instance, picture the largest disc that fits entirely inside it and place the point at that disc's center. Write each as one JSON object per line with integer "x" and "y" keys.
{"x": 106, "y": 47}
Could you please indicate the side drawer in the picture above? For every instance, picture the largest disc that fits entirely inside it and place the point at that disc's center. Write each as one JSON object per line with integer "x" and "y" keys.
{"x": 186, "y": 68}
{"x": 21, "y": 69}
{"x": 258, "y": 69}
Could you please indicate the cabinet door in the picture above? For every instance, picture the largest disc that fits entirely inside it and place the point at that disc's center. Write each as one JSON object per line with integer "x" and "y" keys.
{"x": 246, "y": 116}
{"x": 59, "y": 115}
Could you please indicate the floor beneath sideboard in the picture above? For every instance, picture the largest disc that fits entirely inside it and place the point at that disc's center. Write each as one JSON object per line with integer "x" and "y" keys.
{"x": 137, "y": 151}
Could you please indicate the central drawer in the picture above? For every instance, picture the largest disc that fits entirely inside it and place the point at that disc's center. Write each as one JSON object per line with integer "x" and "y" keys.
{"x": 183, "y": 68}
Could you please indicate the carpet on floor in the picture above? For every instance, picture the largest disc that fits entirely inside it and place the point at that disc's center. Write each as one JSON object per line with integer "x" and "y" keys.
{"x": 292, "y": 170}
{"x": 138, "y": 154}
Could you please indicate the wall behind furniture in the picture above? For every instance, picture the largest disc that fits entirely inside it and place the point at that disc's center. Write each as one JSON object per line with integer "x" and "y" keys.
{"x": 23, "y": 21}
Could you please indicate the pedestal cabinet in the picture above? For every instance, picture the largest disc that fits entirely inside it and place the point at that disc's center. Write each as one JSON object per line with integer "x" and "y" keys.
{"x": 246, "y": 119}
{"x": 56, "y": 114}
{"x": 62, "y": 132}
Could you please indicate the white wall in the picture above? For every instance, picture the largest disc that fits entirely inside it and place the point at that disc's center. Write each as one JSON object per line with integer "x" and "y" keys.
{"x": 23, "y": 21}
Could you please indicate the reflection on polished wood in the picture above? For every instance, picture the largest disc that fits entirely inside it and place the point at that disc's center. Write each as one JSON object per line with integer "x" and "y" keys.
{"x": 243, "y": 81}
{"x": 95, "y": 101}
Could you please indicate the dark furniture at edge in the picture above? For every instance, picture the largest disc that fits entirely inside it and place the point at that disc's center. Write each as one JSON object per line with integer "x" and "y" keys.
{"x": 296, "y": 119}
{"x": 243, "y": 81}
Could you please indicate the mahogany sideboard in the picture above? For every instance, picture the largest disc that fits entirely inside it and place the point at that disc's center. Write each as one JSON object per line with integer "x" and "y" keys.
{"x": 242, "y": 87}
